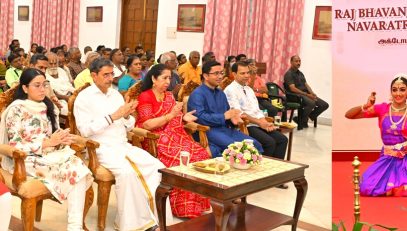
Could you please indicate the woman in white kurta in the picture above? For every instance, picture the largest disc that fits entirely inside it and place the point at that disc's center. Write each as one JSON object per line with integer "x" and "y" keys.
{"x": 29, "y": 123}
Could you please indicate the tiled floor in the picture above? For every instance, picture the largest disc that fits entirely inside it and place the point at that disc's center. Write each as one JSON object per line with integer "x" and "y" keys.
{"x": 311, "y": 146}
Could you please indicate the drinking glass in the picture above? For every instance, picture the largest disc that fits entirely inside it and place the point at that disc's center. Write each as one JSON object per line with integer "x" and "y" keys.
{"x": 184, "y": 159}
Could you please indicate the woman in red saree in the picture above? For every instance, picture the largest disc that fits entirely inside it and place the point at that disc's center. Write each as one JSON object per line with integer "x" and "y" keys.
{"x": 158, "y": 112}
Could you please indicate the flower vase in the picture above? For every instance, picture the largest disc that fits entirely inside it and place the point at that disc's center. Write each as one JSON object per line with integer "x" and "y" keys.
{"x": 241, "y": 166}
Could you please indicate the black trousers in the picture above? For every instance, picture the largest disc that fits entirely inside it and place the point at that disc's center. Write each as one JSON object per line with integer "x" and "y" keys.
{"x": 274, "y": 143}
{"x": 312, "y": 108}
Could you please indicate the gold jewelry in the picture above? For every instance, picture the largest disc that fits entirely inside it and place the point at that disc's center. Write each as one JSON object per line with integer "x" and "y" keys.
{"x": 394, "y": 124}
{"x": 398, "y": 109}
{"x": 166, "y": 118}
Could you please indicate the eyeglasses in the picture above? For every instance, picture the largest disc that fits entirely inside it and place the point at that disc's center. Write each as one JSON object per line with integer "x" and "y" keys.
{"x": 39, "y": 85}
{"x": 217, "y": 73}
{"x": 108, "y": 75}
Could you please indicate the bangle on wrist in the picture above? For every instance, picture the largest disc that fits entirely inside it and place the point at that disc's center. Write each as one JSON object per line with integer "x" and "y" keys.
{"x": 363, "y": 109}
{"x": 166, "y": 118}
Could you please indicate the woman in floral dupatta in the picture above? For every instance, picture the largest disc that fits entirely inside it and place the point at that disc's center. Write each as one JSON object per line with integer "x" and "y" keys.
{"x": 29, "y": 123}
{"x": 387, "y": 176}
{"x": 158, "y": 112}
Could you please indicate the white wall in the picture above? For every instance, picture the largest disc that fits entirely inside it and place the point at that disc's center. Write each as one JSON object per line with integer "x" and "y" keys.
{"x": 316, "y": 57}
{"x": 90, "y": 33}
{"x": 22, "y": 29}
{"x": 184, "y": 42}
{"x": 100, "y": 33}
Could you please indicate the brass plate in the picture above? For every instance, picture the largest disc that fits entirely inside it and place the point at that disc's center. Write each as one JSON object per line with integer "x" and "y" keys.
{"x": 210, "y": 167}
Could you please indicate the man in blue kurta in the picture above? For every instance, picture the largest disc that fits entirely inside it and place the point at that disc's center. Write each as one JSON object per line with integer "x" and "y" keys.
{"x": 212, "y": 109}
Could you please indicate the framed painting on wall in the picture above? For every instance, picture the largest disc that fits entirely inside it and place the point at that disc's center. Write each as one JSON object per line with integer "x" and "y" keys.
{"x": 191, "y": 17}
{"x": 94, "y": 14}
{"x": 23, "y": 13}
{"x": 322, "y": 23}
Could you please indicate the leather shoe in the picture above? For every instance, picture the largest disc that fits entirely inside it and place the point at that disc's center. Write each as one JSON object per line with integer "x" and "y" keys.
{"x": 282, "y": 186}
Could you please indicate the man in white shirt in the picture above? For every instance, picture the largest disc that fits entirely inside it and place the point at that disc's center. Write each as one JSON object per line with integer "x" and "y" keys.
{"x": 59, "y": 81}
{"x": 242, "y": 97}
{"x": 102, "y": 115}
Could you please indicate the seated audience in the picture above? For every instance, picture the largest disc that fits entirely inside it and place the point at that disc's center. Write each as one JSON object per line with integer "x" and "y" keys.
{"x": 212, "y": 109}
{"x": 106, "y": 53}
{"x": 33, "y": 49}
{"x": 133, "y": 73}
{"x": 85, "y": 76}
{"x": 144, "y": 65}
{"x": 139, "y": 50}
{"x": 86, "y": 50}
{"x": 160, "y": 113}
{"x": 75, "y": 66}
{"x": 260, "y": 90}
{"x": 230, "y": 60}
{"x": 59, "y": 82}
{"x": 126, "y": 53}
{"x": 100, "y": 49}
{"x": 208, "y": 56}
{"x": 295, "y": 82}
{"x": 241, "y": 57}
{"x": 181, "y": 59}
{"x": 102, "y": 115}
{"x": 13, "y": 73}
{"x": 20, "y": 51}
{"x": 13, "y": 45}
{"x": 242, "y": 97}
{"x": 170, "y": 61}
{"x": 61, "y": 63}
{"x": 190, "y": 71}
{"x": 40, "y": 50}
{"x": 30, "y": 124}
{"x": 119, "y": 70}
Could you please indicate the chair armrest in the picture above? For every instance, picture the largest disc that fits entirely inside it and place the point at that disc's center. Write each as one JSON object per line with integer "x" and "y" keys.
{"x": 192, "y": 127}
{"x": 271, "y": 96}
{"x": 19, "y": 174}
{"x": 243, "y": 126}
{"x": 137, "y": 135}
{"x": 79, "y": 145}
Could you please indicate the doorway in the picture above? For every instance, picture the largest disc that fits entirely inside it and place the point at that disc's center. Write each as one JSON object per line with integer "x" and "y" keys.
{"x": 139, "y": 24}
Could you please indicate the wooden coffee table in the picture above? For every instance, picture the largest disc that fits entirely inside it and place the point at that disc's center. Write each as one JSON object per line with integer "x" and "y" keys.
{"x": 228, "y": 192}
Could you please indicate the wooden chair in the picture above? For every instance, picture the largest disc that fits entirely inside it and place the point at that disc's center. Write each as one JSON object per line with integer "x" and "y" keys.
{"x": 32, "y": 191}
{"x": 225, "y": 82}
{"x": 193, "y": 127}
{"x": 103, "y": 177}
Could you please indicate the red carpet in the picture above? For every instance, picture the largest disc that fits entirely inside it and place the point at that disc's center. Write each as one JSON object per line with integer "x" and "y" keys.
{"x": 387, "y": 211}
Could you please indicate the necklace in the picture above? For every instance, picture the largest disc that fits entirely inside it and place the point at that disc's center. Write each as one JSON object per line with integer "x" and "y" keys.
{"x": 394, "y": 124}
{"x": 159, "y": 96}
{"x": 398, "y": 109}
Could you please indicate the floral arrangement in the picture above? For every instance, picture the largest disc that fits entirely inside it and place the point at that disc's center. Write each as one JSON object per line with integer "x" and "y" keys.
{"x": 242, "y": 153}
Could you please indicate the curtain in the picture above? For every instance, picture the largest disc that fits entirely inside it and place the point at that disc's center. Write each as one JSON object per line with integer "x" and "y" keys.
{"x": 268, "y": 31}
{"x": 55, "y": 22}
{"x": 7, "y": 24}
